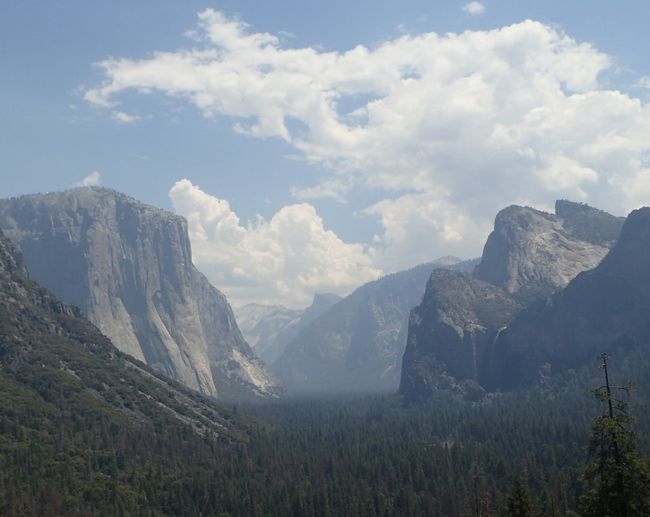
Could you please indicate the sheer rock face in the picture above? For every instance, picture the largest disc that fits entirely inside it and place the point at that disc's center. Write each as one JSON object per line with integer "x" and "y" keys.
{"x": 357, "y": 345}
{"x": 128, "y": 267}
{"x": 449, "y": 332}
{"x": 529, "y": 255}
{"x": 42, "y": 336}
{"x": 534, "y": 253}
{"x": 603, "y": 310}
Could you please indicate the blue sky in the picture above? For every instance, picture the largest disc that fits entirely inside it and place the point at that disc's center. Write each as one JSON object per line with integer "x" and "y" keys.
{"x": 343, "y": 197}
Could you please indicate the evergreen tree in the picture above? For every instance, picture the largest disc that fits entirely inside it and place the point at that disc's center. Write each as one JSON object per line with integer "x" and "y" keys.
{"x": 518, "y": 503}
{"x": 618, "y": 478}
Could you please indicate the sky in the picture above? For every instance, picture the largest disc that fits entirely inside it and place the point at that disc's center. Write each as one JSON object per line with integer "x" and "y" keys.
{"x": 314, "y": 146}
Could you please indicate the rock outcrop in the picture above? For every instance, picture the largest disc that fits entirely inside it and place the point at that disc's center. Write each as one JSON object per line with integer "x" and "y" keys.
{"x": 449, "y": 332}
{"x": 532, "y": 253}
{"x": 357, "y": 345}
{"x": 602, "y": 310}
{"x": 128, "y": 267}
{"x": 455, "y": 335}
{"x": 57, "y": 362}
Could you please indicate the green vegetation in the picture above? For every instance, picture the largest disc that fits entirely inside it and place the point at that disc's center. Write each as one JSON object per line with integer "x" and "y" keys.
{"x": 358, "y": 457}
{"x": 618, "y": 478}
{"x": 85, "y": 430}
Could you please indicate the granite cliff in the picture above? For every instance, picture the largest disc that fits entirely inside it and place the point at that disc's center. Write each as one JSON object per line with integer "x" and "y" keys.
{"x": 128, "y": 267}
{"x": 55, "y": 362}
{"x": 602, "y": 310}
{"x": 449, "y": 332}
{"x": 532, "y": 253}
{"x": 454, "y": 334}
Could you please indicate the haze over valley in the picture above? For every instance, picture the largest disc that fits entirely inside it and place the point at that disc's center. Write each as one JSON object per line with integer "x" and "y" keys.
{"x": 325, "y": 259}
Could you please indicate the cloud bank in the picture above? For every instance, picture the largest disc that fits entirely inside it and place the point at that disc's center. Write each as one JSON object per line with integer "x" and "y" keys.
{"x": 451, "y": 127}
{"x": 283, "y": 260}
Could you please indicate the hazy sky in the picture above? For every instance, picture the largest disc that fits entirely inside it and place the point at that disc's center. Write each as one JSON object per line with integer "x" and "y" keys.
{"x": 313, "y": 146}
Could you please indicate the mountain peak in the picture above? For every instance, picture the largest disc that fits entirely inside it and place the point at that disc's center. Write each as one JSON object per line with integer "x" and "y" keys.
{"x": 532, "y": 252}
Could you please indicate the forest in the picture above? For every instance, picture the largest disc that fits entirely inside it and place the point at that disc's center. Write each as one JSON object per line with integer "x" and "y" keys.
{"x": 519, "y": 453}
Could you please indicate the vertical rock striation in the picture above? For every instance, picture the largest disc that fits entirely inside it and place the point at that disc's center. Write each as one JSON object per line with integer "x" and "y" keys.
{"x": 128, "y": 267}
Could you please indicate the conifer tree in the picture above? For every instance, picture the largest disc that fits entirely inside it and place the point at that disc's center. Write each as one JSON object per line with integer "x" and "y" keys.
{"x": 518, "y": 503}
{"x": 618, "y": 477}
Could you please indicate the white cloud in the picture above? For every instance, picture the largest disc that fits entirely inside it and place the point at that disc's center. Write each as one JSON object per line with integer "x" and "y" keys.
{"x": 124, "y": 118}
{"x": 92, "y": 180}
{"x": 644, "y": 82}
{"x": 283, "y": 260}
{"x": 451, "y": 128}
{"x": 474, "y": 8}
{"x": 329, "y": 189}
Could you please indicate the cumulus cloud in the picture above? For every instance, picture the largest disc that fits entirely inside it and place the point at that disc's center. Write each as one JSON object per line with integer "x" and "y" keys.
{"x": 450, "y": 127}
{"x": 124, "y": 118}
{"x": 474, "y": 8}
{"x": 283, "y": 260}
{"x": 92, "y": 180}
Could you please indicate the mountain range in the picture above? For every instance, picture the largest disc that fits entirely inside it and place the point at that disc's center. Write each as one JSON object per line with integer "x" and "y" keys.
{"x": 269, "y": 328}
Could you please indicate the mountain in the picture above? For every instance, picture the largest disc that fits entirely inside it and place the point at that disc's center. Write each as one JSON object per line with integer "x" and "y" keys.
{"x": 128, "y": 266}
{"x": 357, "y": 345}
{"x": 602, "y": 310}
{"x": 448, "y": 333}
{"x": 84, "y": 428}
{"x": 262, "y": 325}
{"x": 532, "y": 253}
{"x": 269, "y": 328}
{"x": 455, "y": 334}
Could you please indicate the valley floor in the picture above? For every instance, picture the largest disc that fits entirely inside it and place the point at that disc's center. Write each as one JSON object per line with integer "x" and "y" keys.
{"x": 363, "y": 456}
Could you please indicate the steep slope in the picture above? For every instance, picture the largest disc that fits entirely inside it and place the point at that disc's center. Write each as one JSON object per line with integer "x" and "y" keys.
{"x": 529, "y": 255}
{"x": 357, "y": 345}
{"x": 83, "y": 426}
{"x": 449, "y": 332}
{"x": 603, "y": 310}
{"x": 128, "y": 266}
{"x": 532, "y": 253}
{"x": 269, "y": 329}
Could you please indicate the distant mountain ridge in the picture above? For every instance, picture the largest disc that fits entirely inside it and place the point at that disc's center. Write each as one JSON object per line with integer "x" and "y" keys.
{"x": 456, "y": 334}
{"x": 357, "y": 345}
{"x": 128, "y": 266}
{"x": 263, "y": 326}
{"x": 269, "y": 328}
